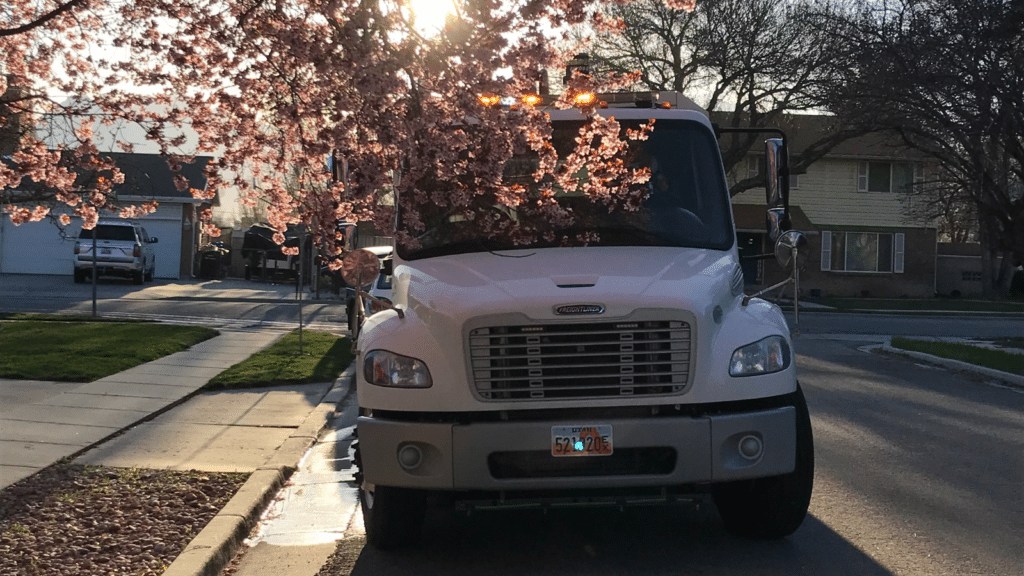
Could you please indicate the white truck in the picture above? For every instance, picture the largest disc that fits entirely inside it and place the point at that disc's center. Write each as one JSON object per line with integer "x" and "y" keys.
{"x": 631, "y": 370}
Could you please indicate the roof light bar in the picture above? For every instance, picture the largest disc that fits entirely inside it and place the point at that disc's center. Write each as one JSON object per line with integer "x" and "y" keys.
{"x": 490, "y": 100}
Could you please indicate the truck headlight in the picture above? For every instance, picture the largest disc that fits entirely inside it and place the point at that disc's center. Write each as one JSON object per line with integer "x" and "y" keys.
{"x": 762, "y": 357}
{"x": 382, "y": 368}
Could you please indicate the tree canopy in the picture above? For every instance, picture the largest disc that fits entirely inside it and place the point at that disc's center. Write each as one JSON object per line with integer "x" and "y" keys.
{"x": 748, "y": 62}
{"x": 275, "y": 87}
{"x": 948, "y": 77}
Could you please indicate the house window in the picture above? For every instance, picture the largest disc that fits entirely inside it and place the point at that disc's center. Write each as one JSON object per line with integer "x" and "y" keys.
{"x": 918, "y": 173}
{"x": 862, "y": 251}
{"x": 970, "y": 276}
{"x": 885, "y": 176}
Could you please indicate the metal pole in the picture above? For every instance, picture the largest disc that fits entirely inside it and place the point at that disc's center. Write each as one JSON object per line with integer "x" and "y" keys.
{"x": 298, "y": 287}
{"x": 95, "y": 272}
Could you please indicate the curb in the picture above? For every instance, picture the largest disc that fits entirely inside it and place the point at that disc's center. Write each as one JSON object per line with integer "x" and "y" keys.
{"x": 214, "y": 547}
{"x": 1008, "y": 378}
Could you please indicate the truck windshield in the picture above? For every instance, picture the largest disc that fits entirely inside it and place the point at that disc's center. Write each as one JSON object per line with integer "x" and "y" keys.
{"x": 686, "y": 202}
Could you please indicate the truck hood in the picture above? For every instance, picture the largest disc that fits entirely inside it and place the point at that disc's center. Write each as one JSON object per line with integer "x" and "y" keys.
{"x": 535, "y": 282}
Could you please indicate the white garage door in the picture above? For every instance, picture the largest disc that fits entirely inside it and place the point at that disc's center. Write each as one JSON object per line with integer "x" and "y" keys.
{"x": 38, "y": 248}
{"x": 165, "y": 225}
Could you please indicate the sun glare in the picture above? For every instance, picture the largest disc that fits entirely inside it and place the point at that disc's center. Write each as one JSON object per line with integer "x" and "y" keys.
{"x": 430, "y": 14}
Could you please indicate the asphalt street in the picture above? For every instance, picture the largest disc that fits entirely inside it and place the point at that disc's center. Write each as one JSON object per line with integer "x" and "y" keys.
{"x": 919, "y": 468}
{"x": 230, "y": 303}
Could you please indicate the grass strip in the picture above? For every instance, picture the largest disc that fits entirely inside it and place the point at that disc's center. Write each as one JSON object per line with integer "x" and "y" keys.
{"x": 66, "y": 318}
{"x": 1015, "y": 342}
{"x": 86, "y": 351}
{"x": 323, "y": 357}
{"x": 921, "y": 305}
{"x": 995, "y": 359}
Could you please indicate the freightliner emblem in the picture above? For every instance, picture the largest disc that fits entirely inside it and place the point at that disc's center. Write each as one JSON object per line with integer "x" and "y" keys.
{"x": 580, "y": 309}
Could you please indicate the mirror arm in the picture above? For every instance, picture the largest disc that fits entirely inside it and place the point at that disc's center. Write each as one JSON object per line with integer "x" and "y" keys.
{"x": 387, "y": 305}
{"x": 747, "y": 299}
{"x": 795, "y": 280}
{"x": 768, "y": 256}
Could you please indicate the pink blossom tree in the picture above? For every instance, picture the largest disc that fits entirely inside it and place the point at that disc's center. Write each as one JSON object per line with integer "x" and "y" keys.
{"x": 276, "y": 87}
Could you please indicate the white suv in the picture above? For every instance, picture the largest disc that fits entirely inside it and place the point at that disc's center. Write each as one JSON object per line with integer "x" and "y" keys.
{"x": 124, "y": 249}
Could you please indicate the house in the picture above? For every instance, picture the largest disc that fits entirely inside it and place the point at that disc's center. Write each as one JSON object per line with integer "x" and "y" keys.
{"x": 43, "y": 248}
{"x": 864, "y": 233}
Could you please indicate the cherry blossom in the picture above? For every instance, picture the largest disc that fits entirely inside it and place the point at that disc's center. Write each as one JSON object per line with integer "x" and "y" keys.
{"x": 273, "y": 89}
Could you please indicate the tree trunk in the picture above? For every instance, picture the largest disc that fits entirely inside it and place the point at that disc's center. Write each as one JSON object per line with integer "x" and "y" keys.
{"x": 988, "y": 252}
{"x": 1004, "y": 274}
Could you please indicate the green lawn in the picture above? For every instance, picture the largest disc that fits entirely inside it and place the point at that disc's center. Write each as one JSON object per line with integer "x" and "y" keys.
{"x": 996, "y": 359}
{"x": 323, "y": 358}
{"x": 59, "y": 350}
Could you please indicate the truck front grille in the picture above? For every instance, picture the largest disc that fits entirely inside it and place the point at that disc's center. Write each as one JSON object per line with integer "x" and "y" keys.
{"x": 595, "y": 360}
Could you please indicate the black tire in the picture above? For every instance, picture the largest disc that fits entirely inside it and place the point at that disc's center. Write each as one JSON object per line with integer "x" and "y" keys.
{"x": 769, "y": 508}
{"x": 148, "y": 276}
{"x": 392, "y": 517}
{"x": 137, "y": 277}
{"x": 353, "y": 318}
{"x": 79, "y": 276}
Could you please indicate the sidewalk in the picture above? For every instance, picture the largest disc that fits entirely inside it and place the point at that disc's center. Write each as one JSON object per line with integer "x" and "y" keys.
{"x": 72, "y": 417}
{"x": 152, "y": 417}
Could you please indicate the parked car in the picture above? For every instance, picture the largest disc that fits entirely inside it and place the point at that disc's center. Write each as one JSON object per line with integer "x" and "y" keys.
{"x": 380, "y": 288}
{"x": 124, "y": 249}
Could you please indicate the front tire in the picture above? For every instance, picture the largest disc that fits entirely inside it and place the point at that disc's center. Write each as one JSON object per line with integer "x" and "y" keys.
{"x": 769, "y": 508}
{"x": 393, "y": 517}
{"x": 354, "y": 319}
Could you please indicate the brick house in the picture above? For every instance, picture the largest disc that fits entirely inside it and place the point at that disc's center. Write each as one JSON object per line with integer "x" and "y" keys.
{"x": 854, "y": 206}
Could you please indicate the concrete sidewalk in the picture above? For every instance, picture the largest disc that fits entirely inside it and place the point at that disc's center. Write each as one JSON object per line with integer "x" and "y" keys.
{"x": 263, "y": 431}
{"x": 56, "y": 420}
{"x": 152, "y": 417}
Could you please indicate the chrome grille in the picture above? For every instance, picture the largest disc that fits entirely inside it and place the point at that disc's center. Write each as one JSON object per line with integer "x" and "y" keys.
{"x": 594, "y": 360}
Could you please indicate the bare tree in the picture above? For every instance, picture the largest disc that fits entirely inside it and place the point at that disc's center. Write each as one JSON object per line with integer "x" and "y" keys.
{"x": 948, "y": 77}
{"x": 746, "y": 61}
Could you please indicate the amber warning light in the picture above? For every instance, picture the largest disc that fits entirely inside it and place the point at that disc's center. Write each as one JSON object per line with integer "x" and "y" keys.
{"x": 531, "y": 99}
{"x": 585, "y": 99}
{"x": 490, "y": 100}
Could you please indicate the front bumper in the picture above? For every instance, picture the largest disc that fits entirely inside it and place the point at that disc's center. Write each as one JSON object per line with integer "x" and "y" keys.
{"x": 663, "y": 451}
{"x": 110, "y": 268}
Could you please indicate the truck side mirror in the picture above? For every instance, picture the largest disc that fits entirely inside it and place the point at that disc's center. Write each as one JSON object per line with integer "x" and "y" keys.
{"x": 776, "y": 187}
{"x": 790, "y": 248}
{"x": 776, "y": 173}
{"x": 360, "y": 267}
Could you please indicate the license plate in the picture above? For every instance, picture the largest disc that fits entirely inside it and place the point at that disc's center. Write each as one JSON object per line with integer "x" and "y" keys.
{"x": 581, "y": 440}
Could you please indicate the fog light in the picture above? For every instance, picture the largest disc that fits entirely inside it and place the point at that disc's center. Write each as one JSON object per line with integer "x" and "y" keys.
{"x": 410, "y": 457}
{"x": 751, "y": 447}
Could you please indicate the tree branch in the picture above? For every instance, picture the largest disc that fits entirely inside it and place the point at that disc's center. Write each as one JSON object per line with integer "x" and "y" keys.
{"x": 42, "y": 20}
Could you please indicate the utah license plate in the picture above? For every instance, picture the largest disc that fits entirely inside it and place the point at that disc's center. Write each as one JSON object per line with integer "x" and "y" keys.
{"x": 581, "y": 440}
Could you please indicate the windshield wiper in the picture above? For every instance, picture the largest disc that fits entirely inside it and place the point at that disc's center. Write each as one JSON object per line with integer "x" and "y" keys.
{"x": 619, "y": 236}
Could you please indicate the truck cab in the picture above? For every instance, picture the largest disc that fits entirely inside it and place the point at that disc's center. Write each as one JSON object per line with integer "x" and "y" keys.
{"x": 627, "y": 369}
